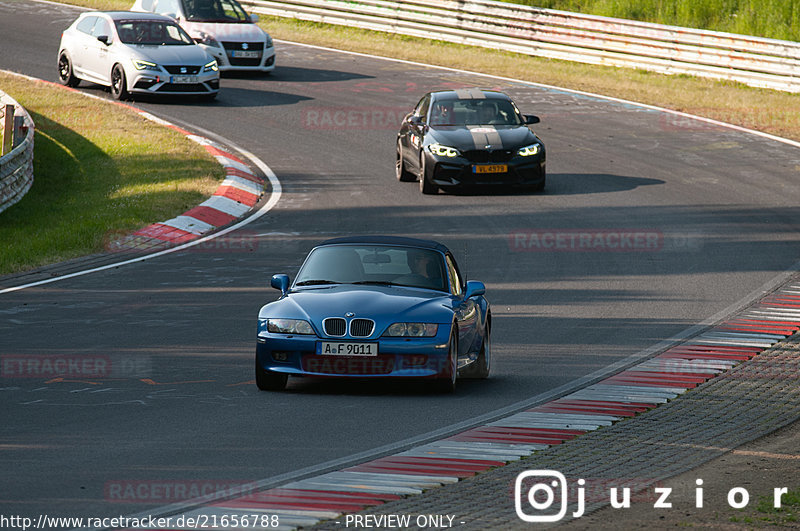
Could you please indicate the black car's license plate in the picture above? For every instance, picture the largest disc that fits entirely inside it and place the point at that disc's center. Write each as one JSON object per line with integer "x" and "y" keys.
{"x": 490, "y": 168}
{"x": 346, "y": 348}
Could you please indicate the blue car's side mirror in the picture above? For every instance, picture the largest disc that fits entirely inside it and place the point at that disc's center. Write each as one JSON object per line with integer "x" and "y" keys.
{"x": 280, "y": 282}
{"x": 474, "y": 288}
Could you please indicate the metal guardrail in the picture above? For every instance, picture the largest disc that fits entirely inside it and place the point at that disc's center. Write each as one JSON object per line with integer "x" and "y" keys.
{"x": 755, "y": 61}
{"x": 16, "y": 166}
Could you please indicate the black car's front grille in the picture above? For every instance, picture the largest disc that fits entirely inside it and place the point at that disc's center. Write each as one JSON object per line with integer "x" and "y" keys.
{"x": 361, "y": 327}
{"x": 480, "y": 155}
{"x": 251, "y": 46}
{"x": 335, "y": 326}
{"x": 183, "y": 70}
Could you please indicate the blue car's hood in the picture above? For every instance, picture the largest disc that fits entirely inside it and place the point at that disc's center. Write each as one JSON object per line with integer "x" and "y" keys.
{"x": 384, "y": 305}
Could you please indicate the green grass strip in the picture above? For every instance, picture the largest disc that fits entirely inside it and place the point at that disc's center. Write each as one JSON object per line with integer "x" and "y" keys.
{"x": 774, "y": 19}
{"x": 99, "y": 169}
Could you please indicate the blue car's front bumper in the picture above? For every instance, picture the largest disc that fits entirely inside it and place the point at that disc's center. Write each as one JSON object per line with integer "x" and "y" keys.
{"x": 398, "y": 357}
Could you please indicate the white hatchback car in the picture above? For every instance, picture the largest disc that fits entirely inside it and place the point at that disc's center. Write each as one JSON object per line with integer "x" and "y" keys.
{"x": 135, "y": 53}
{"x": 223, "y": 28}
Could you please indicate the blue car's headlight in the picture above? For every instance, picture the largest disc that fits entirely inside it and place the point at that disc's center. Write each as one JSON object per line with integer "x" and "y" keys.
{"x": 443, "y": 151}
{"x": 528, "y": 151}
{"x": 412, "y": 330}
{"x": 289, "y": 326}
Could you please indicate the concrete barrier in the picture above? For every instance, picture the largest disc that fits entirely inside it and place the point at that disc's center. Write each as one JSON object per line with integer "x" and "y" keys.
{"x": 16, "y": 166}
{"x": 755, "y": 61}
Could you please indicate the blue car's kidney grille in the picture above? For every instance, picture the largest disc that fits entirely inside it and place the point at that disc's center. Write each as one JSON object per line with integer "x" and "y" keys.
{"x": 335, "y": 326}
{"x": 361, "y": 327}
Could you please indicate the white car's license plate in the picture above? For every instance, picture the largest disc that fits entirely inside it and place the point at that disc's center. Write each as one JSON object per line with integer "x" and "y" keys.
{"x": 242, "y": 54}
{"x": 183, "y": 79}
{"x": 346, "y": 348}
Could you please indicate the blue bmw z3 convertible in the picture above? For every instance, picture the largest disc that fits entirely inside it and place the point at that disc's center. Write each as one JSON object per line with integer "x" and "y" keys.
{"x": 375, "y": 307}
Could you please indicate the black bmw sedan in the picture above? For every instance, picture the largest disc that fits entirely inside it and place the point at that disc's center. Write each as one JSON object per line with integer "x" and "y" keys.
{"x": 469, "y": 137}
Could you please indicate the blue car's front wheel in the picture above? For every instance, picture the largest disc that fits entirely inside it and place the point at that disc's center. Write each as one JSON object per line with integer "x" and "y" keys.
{"x": 447, "y": 383}
{"x": 268, "y": 380}
{"x": 482, "y": 365}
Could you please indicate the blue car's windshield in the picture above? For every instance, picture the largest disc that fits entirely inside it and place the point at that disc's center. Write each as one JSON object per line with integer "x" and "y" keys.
{"x": 374, "y": 265}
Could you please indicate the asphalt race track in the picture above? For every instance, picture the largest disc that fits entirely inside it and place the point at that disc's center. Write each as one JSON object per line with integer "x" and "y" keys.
{"x": 719, "y": 205}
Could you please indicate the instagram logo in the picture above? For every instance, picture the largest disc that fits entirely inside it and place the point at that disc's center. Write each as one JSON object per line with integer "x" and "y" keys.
{"x": 537, "y": 491}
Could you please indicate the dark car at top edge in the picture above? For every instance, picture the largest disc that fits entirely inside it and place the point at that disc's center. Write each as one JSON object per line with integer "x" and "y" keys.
{"x": 375, "y": 307}
{"x": 455, "y": 139}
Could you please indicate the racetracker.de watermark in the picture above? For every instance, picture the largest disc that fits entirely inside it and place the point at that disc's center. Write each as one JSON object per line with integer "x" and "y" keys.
{"x": 547, "y": 495}
{"x": 600, "y": 241}
{"x": 240, "y": 241}
{"x": 353, "y": 118}
{"x": 83, "y": 366}
{"x": 171, "y": 491}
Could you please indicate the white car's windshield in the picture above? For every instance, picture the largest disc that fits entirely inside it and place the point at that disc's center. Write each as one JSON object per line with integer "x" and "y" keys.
{"x": 475, "y": 112}
{"x": 374, "y": 265}
{"x": 151, "y": 32}
{"x": 214, "y": 11}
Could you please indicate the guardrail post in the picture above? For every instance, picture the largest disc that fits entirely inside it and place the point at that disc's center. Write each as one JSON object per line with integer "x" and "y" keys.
{"x": 8, "y": 129}
{"x": 20, "y": 131}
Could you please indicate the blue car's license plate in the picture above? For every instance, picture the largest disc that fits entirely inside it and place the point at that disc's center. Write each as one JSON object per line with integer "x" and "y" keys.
{"x": 346, "y": 348}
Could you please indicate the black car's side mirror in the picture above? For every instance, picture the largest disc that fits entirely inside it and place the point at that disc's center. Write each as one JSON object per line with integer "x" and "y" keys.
{"x": 531, "y": 119}
{"x": 104, "y": 39}
{"x": 415, "y": 120}
{"x": 280, "y": 282}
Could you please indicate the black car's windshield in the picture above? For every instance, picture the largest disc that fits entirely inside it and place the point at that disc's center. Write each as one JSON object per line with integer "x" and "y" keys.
{"x": 374, "y": 265}
{"x": 214, "y": 11}
{"x": 475, "y": 112}
{"x": 151, "y": 32}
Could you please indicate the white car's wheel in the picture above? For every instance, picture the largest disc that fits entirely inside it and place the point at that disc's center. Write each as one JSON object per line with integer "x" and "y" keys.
{"x": 65, "y": 74}
{"x": 119, "y": 85}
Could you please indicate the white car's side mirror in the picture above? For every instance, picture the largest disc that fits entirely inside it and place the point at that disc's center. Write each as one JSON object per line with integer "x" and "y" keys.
{"x": 254, "y": 18}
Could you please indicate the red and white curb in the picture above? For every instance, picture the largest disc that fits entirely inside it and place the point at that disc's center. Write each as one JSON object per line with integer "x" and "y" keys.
{"x": 623, "y": 395}
{"x": 236, "y": 196}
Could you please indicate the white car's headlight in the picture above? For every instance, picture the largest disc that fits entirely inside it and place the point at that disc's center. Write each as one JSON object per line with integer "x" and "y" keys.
{"x": 211, "y": 67}
{"x": 141, "y": 64}
{"x": 289, "y": 326}
{"x": 412, "y": 330}
{"x": 269, "y": 42}
{"x": 528, "y": 151}
{"x": 443, "y": 151}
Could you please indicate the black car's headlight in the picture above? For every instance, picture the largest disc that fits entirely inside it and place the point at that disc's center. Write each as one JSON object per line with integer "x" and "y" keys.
{"x": 289, "y": 326}
{"x": 141, "y": 64}
{"x": 412, "y": 330}
{"x": 443, "y": 151}
{"x": 211, "y": 66}
{"x": 531, "y": 150}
